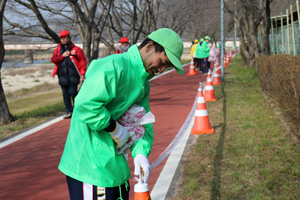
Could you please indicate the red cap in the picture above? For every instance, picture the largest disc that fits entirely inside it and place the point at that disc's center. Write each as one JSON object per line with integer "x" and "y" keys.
{"x": 64, "y": 33}
{"x": 124, "y": 39}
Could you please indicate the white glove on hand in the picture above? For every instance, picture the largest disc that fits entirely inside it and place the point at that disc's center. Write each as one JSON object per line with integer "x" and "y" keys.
{"x": 142, "y": 163}
{"x": 120, "y": 135}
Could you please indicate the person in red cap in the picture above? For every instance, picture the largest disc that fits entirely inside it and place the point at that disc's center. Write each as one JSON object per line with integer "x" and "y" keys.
{"x": 124, "y": 45}
{"x": 70, "y": 67}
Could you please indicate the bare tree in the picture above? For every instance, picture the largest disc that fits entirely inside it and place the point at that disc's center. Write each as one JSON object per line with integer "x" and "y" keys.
{"x": 176, "y": 14}
{"x": 5, "y": 115}
{"x": 60, "y": 14}
{"x": 248, "y": 18}
{"x": 130, "y": 19}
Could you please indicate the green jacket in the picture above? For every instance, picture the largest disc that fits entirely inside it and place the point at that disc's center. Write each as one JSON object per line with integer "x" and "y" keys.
{"x": 205, "y": 49}
{"x": 199, "y": 52}
{"x": 111, "y": 86}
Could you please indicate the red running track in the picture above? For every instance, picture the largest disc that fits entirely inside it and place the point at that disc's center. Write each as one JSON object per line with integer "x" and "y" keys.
{"x": 28, "y": 167}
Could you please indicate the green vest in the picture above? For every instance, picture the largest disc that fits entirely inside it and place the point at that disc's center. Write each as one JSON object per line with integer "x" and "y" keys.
{"x": 111, "y": 86}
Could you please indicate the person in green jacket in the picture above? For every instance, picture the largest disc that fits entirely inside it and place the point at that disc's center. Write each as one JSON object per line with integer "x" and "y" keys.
{"x": 199, "y": 55}
{"x": 205, "y": 54}
{"x": 90, "y": 160}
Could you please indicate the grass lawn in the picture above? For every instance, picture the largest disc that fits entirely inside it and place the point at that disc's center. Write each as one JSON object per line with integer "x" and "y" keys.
{"x": 250, "y": 155}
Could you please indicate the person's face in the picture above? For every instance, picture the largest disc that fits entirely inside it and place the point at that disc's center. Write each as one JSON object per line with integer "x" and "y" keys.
{"x": 65, "y": 40}
{"x": 206, "y": 40}
{"x": 155, "y": 62}
{"x": 124, "y": 44}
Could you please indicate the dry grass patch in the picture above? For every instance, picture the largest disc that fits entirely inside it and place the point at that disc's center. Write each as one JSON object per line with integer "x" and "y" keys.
{"x": 38, "y": 88}
{"x": 21, "y": 71}
{"x": 34, "y": 101}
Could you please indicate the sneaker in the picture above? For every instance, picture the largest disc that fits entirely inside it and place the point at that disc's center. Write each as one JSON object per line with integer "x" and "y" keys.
{"x": 205, "y": 74}
{"x": 68, "y": 115}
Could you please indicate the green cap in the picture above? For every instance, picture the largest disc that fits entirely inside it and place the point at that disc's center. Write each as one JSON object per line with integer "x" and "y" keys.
{"x": 207, "y": 38}
{"x": 201, "y": 40}
{"x": 172, "y": 44}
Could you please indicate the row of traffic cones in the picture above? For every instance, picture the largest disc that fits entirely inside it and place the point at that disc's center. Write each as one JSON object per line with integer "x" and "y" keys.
{"x": 202, "y": 123}
{"x": 192, "y": 66}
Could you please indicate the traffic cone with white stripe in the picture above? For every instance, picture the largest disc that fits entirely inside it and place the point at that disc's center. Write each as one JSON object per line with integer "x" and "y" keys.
{"x": 208, "y": 74}
{"x": 216, "y": 78}
{"x": 227, "y": 58}
{"x": 230, "y": 55}
{"x": 225, "y": 63}
{"x": 209, "y": 91}
{"x": 141, "y": 192}
{"x": 216, "y": 65}
{"x": 201, "y": 123}
{"x": 192, "y": 68}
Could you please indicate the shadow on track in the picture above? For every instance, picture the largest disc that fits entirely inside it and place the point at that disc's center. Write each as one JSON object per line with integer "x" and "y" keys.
{"x": 215, "y": 190}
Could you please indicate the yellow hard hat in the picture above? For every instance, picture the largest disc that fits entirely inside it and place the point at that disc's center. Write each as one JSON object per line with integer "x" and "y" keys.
{"x": 196, "y": 41}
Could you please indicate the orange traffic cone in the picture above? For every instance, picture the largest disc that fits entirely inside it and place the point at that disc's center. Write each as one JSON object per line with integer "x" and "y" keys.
{"x": 201, "y": 124}
{"x": 209, "y": 91}
{"x": 227, "y": 58}
{"x": 230, "y": 56}
{"x": 141, "y": 192}
{"x": 208, "y": 74}
{"x": 192, "y": 69}
{"x": 225, "y": 64}
{"x": 218, "y": 71}
{"x": 216, "y": 78}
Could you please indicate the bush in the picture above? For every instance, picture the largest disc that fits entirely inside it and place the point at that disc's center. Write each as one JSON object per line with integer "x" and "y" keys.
{"x": 279, "y": 76}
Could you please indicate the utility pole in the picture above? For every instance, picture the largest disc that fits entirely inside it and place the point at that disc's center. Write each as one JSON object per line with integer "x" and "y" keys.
{"x": 222, "y": 41}
{"x": 235, "y": 32}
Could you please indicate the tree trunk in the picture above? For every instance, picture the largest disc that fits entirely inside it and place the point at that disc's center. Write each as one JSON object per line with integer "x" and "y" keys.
{"x": 95, "y": 52}
{"x": 266, "y": 27}
{"x": 5, "y": 115}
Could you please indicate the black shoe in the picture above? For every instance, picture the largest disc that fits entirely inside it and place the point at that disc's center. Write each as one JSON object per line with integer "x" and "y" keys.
{"x": 68, "y": 115}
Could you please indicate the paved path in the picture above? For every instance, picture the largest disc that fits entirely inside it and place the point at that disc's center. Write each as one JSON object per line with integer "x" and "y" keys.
{"x": 28, "y": 167}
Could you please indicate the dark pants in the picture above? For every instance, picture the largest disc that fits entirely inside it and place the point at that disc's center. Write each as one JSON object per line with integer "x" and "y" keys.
{"x": 206, "y": 65}
{"x": 197, "y": 62}
{"x": 200, "y": 61}
{"x": 83, "y": 191}
{"x": 69, "y": 91}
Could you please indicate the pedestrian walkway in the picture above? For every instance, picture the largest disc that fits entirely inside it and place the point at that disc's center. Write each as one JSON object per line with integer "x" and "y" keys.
{"x": 28, "y": 168}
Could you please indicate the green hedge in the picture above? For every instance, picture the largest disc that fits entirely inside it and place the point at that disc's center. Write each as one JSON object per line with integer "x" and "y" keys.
{"x": 280, "y": 77}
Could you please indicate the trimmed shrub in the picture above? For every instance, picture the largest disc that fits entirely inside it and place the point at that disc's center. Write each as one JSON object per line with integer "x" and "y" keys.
{"x": 279, "y": 76}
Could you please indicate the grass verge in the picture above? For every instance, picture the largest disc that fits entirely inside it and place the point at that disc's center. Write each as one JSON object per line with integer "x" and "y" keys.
{"x": 250, "y": 155}
{"x": 33, "y": 109}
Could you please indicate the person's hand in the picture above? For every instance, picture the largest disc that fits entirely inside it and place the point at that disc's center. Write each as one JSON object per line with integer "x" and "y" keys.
{"x": 82, "y": 78}
{"x": 142, "y": 163}
{"x": 66, "y": 54}
{"x": 119, "y": 135}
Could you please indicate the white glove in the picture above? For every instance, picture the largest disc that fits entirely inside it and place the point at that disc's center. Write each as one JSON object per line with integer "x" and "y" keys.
{"x": 119, "y": 135}
{"x": 142, "y": 163}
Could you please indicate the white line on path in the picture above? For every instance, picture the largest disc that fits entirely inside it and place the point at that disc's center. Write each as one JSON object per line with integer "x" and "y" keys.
{"x": 22, "y": 135}
{"x": 164, "y": 180}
